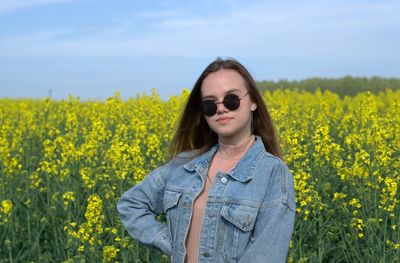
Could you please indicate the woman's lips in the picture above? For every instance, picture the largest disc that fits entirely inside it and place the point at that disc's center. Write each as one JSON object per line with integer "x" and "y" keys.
{"x": 222, "y": 120}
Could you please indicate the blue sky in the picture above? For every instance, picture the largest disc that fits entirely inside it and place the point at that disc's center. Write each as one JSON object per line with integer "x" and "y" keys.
{"x": 92, "y": 48}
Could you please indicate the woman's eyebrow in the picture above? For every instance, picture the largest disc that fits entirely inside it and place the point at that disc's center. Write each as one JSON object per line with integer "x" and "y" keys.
{"x": 227, "y": 92}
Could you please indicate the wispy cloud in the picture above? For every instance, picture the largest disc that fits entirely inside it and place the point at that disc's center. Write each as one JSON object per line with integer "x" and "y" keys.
{"x": 13, "y": 5}
{"x": 307, "y": 28}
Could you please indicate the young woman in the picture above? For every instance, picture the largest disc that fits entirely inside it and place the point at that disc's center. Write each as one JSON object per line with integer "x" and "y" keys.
{"x": 227, "y": 195}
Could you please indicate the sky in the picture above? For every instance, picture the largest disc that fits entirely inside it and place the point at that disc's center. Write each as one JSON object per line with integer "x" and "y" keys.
{"x": 92, "y": 48}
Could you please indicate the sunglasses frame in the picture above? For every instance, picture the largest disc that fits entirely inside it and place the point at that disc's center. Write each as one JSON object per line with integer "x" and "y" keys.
{"x": 224, "y": 103}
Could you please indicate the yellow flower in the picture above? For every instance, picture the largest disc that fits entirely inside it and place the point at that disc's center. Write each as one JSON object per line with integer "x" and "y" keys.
{"x": 337, "y": 196}
{"x": 67, "y": 197}
{"x": 355, "y": 203}
{"x": 109, "y": 253}
{"x": 90, "y": 231}
{"x": 6, "y": 207}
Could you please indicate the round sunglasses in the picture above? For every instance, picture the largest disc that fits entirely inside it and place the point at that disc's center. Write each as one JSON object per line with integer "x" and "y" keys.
{"x": 230, "y": 101}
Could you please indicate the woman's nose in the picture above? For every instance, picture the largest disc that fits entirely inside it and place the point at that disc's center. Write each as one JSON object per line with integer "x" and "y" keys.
{"x": 221, "y": 108}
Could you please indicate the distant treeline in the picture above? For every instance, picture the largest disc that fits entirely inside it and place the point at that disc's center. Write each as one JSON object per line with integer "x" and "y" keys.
{"x": 347, "y": 85}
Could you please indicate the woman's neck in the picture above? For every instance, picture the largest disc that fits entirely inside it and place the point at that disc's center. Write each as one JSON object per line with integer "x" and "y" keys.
{"x": 235, "y": 151}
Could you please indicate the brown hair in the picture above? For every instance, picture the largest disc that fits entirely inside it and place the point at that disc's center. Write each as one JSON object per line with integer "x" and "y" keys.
{"x": 193, "y": 132}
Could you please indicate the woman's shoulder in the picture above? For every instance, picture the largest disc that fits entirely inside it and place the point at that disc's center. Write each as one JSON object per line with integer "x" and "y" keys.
{"x": 263, "y": 158}
{"x": 269, "y": 160}
{"x": 184, "y": 157}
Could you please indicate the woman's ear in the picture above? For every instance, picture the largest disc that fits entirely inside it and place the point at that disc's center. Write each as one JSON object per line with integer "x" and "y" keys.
{"x": 253, "y": 106}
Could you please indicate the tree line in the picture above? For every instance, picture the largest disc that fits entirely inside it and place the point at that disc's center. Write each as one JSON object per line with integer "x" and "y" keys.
{"x": 345, "y": 86}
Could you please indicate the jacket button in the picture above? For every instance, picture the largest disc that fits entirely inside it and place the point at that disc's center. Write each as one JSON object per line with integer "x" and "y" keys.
{"x": 206, "y": 255}
{"x": 224, "y": 180}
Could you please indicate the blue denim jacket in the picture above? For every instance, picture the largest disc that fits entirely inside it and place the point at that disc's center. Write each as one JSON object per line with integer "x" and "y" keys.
{"x": 249, "y": 214}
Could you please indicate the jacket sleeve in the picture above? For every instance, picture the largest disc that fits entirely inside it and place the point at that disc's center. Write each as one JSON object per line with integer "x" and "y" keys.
{"x": 138, "y": 208}
{"x": 275, "y": 221}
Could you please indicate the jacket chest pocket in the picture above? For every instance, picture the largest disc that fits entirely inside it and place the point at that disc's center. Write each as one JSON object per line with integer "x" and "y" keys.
{"x": 170, "y": 202}
{"x": 236, "y": 229}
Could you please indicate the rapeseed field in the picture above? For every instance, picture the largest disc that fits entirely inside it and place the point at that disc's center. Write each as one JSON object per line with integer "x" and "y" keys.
{"x": 65, "y": 163}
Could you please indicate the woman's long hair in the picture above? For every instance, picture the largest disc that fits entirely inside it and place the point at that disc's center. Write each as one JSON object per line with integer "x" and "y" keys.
{"x": 193, "y": 132}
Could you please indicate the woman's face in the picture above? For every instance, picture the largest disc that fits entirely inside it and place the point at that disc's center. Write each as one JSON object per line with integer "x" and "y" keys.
{"x": 231, "y": 126}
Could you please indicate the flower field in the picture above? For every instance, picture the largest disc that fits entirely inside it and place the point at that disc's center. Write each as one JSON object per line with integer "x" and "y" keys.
{"x": 64, "y": 164}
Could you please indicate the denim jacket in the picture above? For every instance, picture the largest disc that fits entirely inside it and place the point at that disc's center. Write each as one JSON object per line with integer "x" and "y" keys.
{"x": 249, "y": 214}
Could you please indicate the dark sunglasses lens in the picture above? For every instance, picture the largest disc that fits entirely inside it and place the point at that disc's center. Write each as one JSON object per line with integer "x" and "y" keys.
{"x": 231, "y": 102}
{"x": 209, "y": 107}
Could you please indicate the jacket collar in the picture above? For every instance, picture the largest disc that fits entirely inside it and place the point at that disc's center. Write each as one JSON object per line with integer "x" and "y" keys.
{"x": 244, "y": 169}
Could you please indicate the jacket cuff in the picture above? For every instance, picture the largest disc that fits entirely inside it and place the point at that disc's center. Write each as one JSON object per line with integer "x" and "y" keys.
{"x": 163, "y": 241}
